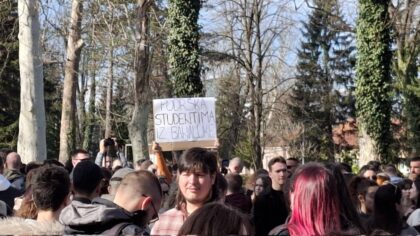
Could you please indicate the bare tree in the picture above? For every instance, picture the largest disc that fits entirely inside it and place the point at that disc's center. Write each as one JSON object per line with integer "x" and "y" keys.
{"x": 32, "y": 139}
{"x": 138, "y": 126}
{"x": 110, "y": 80}
{"x": 68, "y": 115}
{"x": 250, "y": 38}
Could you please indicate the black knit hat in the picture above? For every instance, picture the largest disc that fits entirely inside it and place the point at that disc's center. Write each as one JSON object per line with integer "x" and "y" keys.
{"x": 86, "y": 177}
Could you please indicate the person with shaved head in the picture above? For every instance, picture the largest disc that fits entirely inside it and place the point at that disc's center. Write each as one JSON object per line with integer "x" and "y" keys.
{"x": 235, "y": 166}
{"x": 135, "y": 205}
{"x": 140, "y": 191}
{"x": 12, "y": 171}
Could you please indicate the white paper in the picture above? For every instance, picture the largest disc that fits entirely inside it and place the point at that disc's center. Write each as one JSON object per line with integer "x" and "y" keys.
{"x": 184, "y": 119}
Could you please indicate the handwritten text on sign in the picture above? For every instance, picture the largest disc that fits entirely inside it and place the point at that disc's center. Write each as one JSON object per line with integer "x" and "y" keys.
{"x": 184, "y": 119}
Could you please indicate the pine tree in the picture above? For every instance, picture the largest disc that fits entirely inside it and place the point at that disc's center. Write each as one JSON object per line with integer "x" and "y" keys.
{"x": 324, "y": 68}
{"x": 183, "y": 47}
{"x": 343, "y": 62}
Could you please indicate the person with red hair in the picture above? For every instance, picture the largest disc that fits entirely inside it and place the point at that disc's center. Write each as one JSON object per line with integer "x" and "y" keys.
{"x": 314, "y": 203}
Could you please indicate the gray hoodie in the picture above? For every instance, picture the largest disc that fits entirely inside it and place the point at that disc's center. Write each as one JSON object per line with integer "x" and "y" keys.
{"x": 99, "y": 217}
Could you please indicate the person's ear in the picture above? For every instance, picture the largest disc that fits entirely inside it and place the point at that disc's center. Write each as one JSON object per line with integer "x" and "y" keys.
{"x": 145, "y": 203}
{"x": 99, "y": 187}
{"x": 213, "y": 179}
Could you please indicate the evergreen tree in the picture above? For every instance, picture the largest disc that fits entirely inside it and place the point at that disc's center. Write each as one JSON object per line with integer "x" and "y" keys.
{"x": 9, "y": 74}
{"x": 183, "y": 47}
{"x": 324, "y": 68}
{"x": 342, "y": 64}
{"x": 373, "y": 101}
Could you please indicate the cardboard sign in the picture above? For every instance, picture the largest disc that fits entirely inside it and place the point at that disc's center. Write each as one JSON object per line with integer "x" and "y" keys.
{"x": 184, "y": 120}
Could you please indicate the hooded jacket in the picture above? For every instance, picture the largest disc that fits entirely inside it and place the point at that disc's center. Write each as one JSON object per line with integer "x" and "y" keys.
{"x": 4, "y": 183}
{"x": 21, "y": 226}
{"x": 99, "y": 217}
{"x": 16, "y": 178}
{"x": 8, "y": 194}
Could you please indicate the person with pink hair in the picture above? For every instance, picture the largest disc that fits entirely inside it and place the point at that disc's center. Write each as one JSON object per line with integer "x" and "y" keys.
{"x": 314, "y": 203}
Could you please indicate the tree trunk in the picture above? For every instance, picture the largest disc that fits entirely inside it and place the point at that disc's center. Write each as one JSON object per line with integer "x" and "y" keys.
{"x": 258, "y": 106}
{"x": 90, "y": 115}
{"x": 32, "y": 140}
{"x": 373, "y": 83}
{"x": 87, "y": 140}
{"x": 81, "y": 112}
{"x": 137, "y": 127}
{"x": 68, "y": 114}
{"x": 109, "y": 94}
{"x": 367, "y": 150}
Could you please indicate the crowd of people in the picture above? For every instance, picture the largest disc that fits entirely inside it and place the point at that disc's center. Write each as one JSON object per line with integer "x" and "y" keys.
{"x": 197, "y": 194}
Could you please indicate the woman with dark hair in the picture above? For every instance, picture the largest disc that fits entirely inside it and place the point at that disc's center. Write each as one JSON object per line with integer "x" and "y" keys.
{"x": 25, "y": 206}
{"x": 362, "y": 192}
{"x": 415, "y": 193}
{"x": 262, "y": 185}
{"x": 387, "y": 213}
{"x": 216, "y": 219}
{"x": 369, "y": 172}
{"x": 315, "y": 204}
{"x": 250, "y": 182}
{"x": 350, "y": 221}
{"x": 413, "y": 213}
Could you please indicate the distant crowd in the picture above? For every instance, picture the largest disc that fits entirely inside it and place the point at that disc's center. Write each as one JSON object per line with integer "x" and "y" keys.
{"x": 196, "y": 194}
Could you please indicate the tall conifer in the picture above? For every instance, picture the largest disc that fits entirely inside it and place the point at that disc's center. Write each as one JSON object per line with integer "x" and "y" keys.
{"x": 321, "y": 96}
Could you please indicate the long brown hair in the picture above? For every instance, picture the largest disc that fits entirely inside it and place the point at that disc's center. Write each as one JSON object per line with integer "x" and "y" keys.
{"x": 28, "y": 208}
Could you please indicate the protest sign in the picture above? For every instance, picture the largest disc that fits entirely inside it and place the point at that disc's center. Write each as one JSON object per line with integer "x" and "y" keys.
{"x": 183, "y": 122}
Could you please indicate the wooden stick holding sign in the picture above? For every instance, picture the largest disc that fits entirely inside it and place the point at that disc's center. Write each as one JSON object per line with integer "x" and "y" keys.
{"x": 182, "y": 123}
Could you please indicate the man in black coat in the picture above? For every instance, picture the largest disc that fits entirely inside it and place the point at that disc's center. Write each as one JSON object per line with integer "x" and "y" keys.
{"x": 270, "y": 209}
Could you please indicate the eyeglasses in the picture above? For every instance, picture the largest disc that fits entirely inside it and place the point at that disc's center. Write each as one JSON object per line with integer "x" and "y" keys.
{"x": 155, "y": 215}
